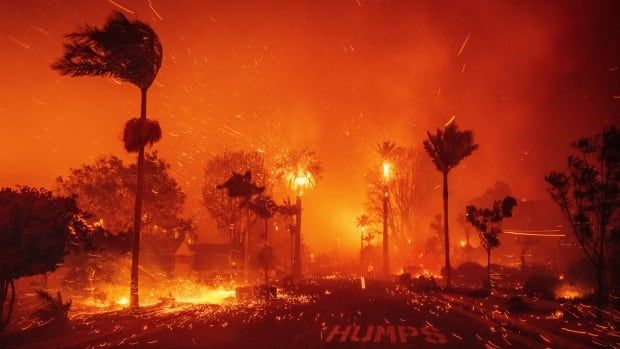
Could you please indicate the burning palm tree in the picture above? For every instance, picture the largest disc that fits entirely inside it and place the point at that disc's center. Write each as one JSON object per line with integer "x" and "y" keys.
{"x": 301, "y": 170}
{"x": 129, "y": 51}
{"x": 387, "y": 151}
{"x": 447, "y": 148}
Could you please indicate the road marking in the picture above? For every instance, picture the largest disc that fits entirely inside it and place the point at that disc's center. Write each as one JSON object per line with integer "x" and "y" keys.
{"x": 391, "y": 334}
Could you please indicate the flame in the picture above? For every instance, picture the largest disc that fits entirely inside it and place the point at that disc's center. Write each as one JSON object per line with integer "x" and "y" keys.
{"x": 387, "y": 170}
{"x": 463, "y": 243}
{"x": 300, "y": 180}
{"x": 568, "y": 292}
{"x": 176, "y": 291}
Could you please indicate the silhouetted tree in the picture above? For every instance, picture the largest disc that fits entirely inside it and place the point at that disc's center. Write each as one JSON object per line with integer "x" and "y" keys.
{"x": 129, "y": 51}
{"x": 106, "y": 189}
{"x": 488, "y": 224}
{"x": 589, "y": 195}
{"x": 54, "y": 309}
{"x": 37, "y": 229}
{"x": 241, "y": 187}
{"x": 447, "y": 148}
{"x": 232, "y": 221}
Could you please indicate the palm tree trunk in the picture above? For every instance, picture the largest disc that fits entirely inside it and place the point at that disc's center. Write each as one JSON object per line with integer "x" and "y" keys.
{"x": 386, "y": 258}
{"x": 297, "y": 260}
{"x": 446, "y": 230}
{"x": 137, "y": 216}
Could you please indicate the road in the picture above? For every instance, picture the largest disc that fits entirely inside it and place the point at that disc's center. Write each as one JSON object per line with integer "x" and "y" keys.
{"x": 328, "y": 314}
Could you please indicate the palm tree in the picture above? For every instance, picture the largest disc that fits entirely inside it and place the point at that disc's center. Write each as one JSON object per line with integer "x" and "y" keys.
{"x": 131, "y": 52}
{"x": 387, "y": 151}
{"x": 301, "y": 170}
{"x": 447, "y": 148}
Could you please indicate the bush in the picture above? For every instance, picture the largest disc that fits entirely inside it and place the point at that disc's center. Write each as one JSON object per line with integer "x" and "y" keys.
{"x": 471, "y": 273}
{"x": 54, "y": 309}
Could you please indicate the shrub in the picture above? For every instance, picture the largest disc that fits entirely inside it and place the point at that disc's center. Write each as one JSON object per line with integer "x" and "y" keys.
{"x": 54, "y": 310}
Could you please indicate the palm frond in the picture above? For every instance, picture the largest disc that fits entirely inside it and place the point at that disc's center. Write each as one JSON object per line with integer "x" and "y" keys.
{"x": 124, "y": 49}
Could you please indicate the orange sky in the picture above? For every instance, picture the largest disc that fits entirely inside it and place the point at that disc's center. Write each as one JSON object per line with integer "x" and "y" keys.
{"x": 338, "y": 76}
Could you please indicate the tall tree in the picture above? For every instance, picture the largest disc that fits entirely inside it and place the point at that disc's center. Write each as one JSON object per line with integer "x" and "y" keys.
{"x": 447, "y": 148}
{"x": 37, "y": 229}
{"x": 387, "y": 151}
{"x": 128, "y": 50}
{"x": 488, "y": 224}
{"x": 301, "y": 170}
{"x": 232, "y": 221}
{"x": 589, "y": 195}
{"x": 241, "y": 187}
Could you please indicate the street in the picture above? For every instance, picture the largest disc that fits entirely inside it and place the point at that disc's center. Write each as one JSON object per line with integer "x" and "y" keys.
{"x": 329, "y": 314}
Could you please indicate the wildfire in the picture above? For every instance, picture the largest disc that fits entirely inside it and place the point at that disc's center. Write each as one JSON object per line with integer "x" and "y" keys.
{"x": 174, "y": 291}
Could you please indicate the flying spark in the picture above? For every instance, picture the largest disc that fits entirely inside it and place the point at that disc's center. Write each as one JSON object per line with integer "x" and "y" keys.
{"x": 463, "y": 45}
{"x": 121, "y": 7}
